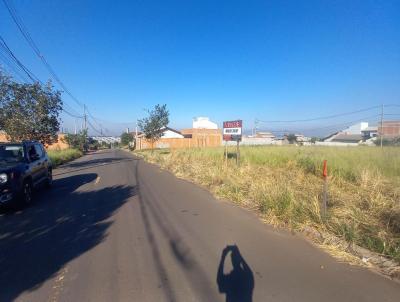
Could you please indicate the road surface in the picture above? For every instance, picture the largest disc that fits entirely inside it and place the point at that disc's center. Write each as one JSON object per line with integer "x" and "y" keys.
{"x": 115, "y": 228}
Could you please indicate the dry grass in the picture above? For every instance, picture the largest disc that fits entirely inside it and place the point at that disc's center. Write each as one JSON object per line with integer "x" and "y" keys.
{"x": 284, "y": 184}
{"x": 59, "y": 157}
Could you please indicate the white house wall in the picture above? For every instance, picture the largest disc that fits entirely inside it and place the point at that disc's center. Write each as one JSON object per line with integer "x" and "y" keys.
{"x": 204, "y": 123}
{"x": 171, "y": 134}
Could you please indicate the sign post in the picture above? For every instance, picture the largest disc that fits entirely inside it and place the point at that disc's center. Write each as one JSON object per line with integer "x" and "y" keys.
{"x": 226, "y": 154}
{"x": 232, "y": 131}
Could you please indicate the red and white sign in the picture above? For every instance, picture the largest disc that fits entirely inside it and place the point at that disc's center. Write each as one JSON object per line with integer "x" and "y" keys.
{"x": 232, "y": 131}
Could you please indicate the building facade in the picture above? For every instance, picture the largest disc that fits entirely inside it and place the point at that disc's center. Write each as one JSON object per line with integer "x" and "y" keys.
{"x": 389, "y": 129}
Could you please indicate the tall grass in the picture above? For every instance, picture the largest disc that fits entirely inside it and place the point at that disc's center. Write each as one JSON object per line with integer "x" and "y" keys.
{"x": 284, "y": 184}
{"x": 59, "y": 157}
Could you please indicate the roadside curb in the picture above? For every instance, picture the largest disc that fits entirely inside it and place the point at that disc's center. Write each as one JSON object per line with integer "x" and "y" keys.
{"x": 366, "y": 258}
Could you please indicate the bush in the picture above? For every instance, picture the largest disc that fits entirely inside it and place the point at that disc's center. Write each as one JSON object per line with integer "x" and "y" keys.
{"x": 59, "y": 157}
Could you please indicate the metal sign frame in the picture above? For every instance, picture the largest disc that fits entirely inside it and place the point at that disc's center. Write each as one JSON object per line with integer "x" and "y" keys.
{"x": 232, "y": 131}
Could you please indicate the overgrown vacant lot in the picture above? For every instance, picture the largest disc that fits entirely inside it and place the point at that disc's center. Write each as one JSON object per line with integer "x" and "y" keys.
{"x": 284, "y": 184}
{"x": 59, "y": 157}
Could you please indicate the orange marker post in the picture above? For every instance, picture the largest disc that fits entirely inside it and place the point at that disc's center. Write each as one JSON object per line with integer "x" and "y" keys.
{"x": 325, "y": 176}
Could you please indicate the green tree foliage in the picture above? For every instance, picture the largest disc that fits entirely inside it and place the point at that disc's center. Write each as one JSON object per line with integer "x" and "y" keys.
{"x": 126, "y": 138}
{"x": 395, "y": 141}
{"x": 29, "y": 111}
{"x": 291, "y": 138}
{"x": 315, "y": 139}
{"x": 78, "y": 141}
{"x": 151, "y": 126}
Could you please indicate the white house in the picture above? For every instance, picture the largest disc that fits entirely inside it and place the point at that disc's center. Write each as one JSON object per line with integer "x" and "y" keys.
{"x": 351, "y": 136}
{"x": 170, "y": 133}
{"x": 356, "y": 129}
{"x": 203, "y": 123}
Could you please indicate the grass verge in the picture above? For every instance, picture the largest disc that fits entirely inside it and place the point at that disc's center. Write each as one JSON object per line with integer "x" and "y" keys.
{"x": 59, "y": 157}
{"x": 284, "y": 184}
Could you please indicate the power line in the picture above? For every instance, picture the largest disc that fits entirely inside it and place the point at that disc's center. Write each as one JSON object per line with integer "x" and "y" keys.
{"x": 30, "y": 74}
{"x": 70, "y": 109}
{"x": 111, "y": 122}
{"x": 93, "y": 118}
{"x": 12, "y": 67}
{"x": 327, "y": 127}
{"x": 94, "y": 128}
{"x": 6, "y": 49}
{"x": 24, "y": 31}
{"x": 71, "y": 114}
{"x": 321, "y": 117}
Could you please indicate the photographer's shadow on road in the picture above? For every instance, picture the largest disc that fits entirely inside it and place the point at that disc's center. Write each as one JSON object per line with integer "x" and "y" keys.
{"x": 238, "y": 284}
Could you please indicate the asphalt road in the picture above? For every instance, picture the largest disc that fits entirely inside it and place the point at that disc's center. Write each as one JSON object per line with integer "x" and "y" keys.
{"x": 115, "y": 228}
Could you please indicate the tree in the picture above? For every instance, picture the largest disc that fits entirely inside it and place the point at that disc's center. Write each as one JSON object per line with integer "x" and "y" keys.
{"x": 29, "y": 111}
{"x": 394, "y": 141}
{"x": 78, "y": 141}
{"x": 291, "y": 138}
{"x": 126, "y": 138}
{"x": 315, "y": 139}
{"x": 151, "y": 126}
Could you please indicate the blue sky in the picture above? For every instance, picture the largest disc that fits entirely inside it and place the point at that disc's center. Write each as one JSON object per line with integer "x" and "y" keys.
{"x": 270, "y": 60}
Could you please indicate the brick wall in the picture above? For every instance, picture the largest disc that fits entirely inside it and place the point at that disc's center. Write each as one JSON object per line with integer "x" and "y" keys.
{"x": 390, "y": 129}
{"x": 60, "y": 145}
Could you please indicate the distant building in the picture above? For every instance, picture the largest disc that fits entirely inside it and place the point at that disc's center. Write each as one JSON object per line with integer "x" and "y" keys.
{"x": 355, "y": 129}
{"x": 107, "y": 139}
{"x": 369, "y": 132}
{"x": 187, "y": 138}
{"x": 353, "y": 135}
{"x": 300, "y": 138}
{"x": 171, "y": 133}
{"x": 259, "y": 138}
{"x": 346, "y": 138}
{"x": 389, "y": 129}
{"x": 203, "y": 123}
{"x": 260, "y": 134}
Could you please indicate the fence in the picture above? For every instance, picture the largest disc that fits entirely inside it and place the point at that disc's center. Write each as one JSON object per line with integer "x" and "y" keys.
{"x": 194, "y": 138}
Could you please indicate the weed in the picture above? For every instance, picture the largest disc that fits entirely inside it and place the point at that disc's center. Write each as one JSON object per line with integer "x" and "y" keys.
{"x": 284, "y": 184}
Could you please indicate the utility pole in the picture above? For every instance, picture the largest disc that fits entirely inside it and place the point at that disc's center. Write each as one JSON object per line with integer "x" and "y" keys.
{"x": 255, "y": 127}
{"x": 381, "y": 134}
{"x": 84, "y": 117}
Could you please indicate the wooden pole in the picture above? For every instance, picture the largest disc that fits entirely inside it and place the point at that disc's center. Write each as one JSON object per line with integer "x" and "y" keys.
{"x": 226, "y": 154}
{"x": 237, "y": 153}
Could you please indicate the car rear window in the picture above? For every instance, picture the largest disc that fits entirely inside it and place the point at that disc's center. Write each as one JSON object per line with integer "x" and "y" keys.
{"x": 11, "y": 153}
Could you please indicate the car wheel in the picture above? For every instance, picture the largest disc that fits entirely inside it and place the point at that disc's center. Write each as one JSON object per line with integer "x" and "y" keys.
{"x": 27, "y": 193}
{"x": 49, "y": 181}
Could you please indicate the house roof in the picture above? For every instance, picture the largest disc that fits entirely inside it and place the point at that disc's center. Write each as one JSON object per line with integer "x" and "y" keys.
{"x": 347, "y": 138}
{"x": 370, "y": 128}
{"x": 331, "y": 135}
{"x": 163, "y": 130}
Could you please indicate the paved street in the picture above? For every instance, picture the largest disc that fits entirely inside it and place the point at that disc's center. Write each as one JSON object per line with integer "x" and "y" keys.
{"x": 114, "y": 228}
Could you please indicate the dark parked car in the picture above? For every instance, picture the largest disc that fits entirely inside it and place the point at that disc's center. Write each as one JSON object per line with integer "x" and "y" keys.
{"x": 23, "y": 167}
